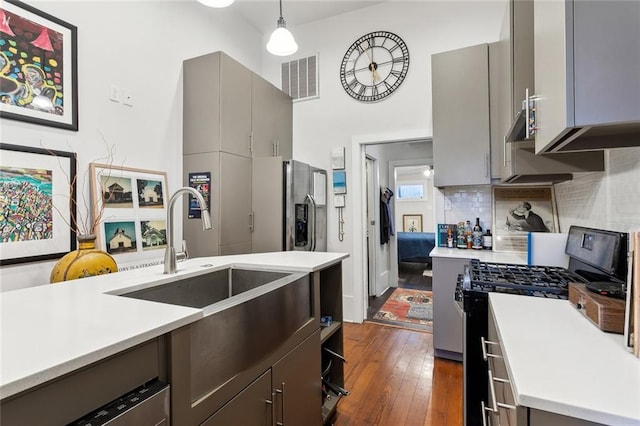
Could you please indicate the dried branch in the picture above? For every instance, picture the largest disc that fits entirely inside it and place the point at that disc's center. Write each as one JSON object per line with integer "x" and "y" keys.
{"x": 82, "y": 222}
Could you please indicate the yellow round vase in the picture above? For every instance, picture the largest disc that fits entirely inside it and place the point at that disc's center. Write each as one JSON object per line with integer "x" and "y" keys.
{"x": 86, "y": 261}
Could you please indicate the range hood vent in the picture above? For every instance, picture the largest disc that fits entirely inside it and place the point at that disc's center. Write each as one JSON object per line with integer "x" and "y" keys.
{"x": 518, "y": 132}
{"x": 524, "y": 166}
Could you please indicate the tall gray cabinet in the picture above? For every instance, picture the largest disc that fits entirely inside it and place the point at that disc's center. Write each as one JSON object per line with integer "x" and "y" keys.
{"x": 461, "y": 137}
{"x": 231, "y": 116}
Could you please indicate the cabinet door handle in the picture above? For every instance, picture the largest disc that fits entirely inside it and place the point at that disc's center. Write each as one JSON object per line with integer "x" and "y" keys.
{"x": 504, "y": 152}
{"x": 273, "y": 408}
{"x": 251, "y": 141}
{"x": 281, "y": 392}
{"x": 487, "y": 167}
{"x": 251, "y": 221}
{"x": 486, "y": 354}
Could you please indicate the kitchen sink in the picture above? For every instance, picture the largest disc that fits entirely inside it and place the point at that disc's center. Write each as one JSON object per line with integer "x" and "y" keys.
{"x": 209, "y": 288}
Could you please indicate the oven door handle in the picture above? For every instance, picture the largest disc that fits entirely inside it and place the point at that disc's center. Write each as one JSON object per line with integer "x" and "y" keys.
{"x": 485, "y": 353}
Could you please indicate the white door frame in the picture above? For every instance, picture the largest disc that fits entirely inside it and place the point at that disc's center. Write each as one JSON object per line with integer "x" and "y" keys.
{"x": 360, "y": 290}
{"x": 370, "y": 216}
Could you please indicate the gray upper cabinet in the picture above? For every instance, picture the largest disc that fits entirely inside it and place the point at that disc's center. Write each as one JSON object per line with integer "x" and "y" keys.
{"x": 587, "y": 63}
{"x": 272, "y": 120}
{"x": 216, "y": 105}
{"x": 461, "y": 137}
{"x": 512, "y": 74}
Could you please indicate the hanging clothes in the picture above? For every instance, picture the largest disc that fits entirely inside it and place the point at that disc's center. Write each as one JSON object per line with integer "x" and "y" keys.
{"x": 386, "y": 218}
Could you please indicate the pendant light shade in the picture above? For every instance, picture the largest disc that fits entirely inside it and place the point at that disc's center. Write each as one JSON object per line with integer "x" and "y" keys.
{"x": 216, "y": 3}
{"x": 281, "y": 42}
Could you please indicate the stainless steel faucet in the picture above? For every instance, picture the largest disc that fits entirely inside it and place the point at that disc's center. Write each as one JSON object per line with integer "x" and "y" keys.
{"x": 170, "y": 256}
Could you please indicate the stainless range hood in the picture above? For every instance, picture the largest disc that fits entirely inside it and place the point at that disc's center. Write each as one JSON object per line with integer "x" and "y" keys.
{"x": 522, "y": 165}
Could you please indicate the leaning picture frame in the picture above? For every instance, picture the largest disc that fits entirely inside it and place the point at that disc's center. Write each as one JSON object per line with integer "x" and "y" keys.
{"x": 519, "y": 210}
{"x": 39, "y": 67}
{"x": 130, "y": 205}
{"x": 37, "y": 204}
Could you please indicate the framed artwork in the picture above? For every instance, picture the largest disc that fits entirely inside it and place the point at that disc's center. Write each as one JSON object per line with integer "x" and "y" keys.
{"x": 131, "y": 207}
{"x": 520, "y": 210}
{"x": 37, "y": 204}
{"x": 339, "y": 182}
{"x": 38, "y": 58}
{"x": 411, "y": 223}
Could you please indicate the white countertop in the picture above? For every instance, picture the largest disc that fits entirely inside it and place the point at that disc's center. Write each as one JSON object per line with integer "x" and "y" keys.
{"x": 482, "y": 255}
{"x": 562, "y": 363}
{"x": 50, "y": 330}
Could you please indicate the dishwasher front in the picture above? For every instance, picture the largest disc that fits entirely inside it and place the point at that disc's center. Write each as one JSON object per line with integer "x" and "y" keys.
{"x": 147, "y": 405}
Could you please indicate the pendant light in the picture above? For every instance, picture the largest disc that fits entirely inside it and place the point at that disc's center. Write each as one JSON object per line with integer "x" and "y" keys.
{"x": 216, "y": 3}
{"x": 281, "y": 42}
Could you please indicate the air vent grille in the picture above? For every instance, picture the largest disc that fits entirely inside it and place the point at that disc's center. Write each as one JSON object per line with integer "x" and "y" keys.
{"x": 300, "y": 78}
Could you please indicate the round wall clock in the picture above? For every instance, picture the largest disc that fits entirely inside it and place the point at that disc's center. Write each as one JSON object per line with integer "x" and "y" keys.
{"x": 374, "y": 66}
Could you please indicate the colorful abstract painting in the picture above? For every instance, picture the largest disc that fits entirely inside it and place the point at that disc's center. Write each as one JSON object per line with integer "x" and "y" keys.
{"x": 37, "y": 59}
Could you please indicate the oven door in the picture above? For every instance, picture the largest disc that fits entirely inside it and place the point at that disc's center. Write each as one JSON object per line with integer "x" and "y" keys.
{"x": 475, "y": 327}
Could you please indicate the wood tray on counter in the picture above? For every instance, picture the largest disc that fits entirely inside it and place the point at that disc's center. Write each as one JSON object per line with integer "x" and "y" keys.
{"x": 605, "y": 312}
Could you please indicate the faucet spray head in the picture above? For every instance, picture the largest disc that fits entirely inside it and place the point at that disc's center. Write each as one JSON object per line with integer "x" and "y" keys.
{"x": 206, "y": 220}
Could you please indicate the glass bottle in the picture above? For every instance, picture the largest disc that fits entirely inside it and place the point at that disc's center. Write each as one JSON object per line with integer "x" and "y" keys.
{"x": 487, "y": 240}
{"x": 476, "y": 236}
{"x": 468, "y": 232}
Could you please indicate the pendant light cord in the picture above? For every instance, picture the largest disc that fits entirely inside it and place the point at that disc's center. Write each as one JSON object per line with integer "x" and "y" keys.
{"x": 281, "y": 17}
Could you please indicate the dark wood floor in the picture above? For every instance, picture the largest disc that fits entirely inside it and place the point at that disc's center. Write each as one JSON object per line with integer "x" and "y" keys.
{"x": 394, "y": 379}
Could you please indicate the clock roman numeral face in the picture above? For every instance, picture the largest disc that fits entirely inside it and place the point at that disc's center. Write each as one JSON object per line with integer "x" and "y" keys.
{"x": 374, "y": 66}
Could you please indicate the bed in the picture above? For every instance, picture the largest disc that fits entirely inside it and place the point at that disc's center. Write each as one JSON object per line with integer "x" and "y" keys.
{"x": 415, "y": 246}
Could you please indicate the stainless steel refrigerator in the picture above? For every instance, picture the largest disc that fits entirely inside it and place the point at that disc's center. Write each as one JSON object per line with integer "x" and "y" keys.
{"x": 290, "y": 206}
{"x": 305, "y": 207}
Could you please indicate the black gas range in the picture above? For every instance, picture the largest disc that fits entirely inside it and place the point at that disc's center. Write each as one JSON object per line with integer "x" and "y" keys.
{"x": 597, "y": 258}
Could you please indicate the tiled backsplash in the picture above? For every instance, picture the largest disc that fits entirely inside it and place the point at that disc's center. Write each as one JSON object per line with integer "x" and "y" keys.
{"x": 606, "y": 200}
{"x": 467, "y": 203}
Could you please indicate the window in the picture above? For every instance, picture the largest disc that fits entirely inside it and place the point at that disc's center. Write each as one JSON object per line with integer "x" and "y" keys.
{"x": 411, "y": 192}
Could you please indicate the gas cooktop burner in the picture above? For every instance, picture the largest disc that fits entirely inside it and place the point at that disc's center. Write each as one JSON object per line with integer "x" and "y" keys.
{"x": 541, "y": 281}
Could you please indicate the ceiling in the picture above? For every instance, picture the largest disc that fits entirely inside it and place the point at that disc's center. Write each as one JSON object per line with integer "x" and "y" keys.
{"x": 263, "y": 14}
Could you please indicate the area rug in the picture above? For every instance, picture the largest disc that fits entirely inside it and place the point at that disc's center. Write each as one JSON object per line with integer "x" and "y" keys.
{"x": 407, "y": 307}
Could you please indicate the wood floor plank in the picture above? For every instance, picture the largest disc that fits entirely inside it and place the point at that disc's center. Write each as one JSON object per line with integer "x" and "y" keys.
{"x": 394, "y": 379}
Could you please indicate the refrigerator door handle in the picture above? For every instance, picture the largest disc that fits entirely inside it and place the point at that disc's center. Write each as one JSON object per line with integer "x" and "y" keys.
{"x": 313, "y": 222}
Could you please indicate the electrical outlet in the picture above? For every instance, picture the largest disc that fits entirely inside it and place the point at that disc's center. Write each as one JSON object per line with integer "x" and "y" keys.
{"x": 127, "y": 97}
{"x": 115, "y": 94}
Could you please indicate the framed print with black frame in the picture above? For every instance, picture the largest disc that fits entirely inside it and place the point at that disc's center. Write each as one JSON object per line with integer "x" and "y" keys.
{"x": 39, "y": 67}
{"x": 37, "y": 204}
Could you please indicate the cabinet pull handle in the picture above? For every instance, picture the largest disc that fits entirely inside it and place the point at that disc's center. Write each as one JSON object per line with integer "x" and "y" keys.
{"x": 281, "y": 392}
{"x": 487, "y": 167}
{"x": 504, "y": 152}
{"x": 484, "y": 413}
{"x": 251, "y": 221}
{"x": 251, "y": 141}
{"x": 485, "y": 354}
{"x": 492, "y": 388}
{"x": 273, "y": 409}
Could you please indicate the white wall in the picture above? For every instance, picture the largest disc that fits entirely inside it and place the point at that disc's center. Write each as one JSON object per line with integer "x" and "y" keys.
{"x": 423, "y": 206}
{"x": 335, "y": 119}
{"x": 139, "y": 46}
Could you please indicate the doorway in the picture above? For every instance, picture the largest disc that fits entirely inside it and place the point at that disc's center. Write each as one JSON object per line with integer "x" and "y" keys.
{"x": 381, "y": 163}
